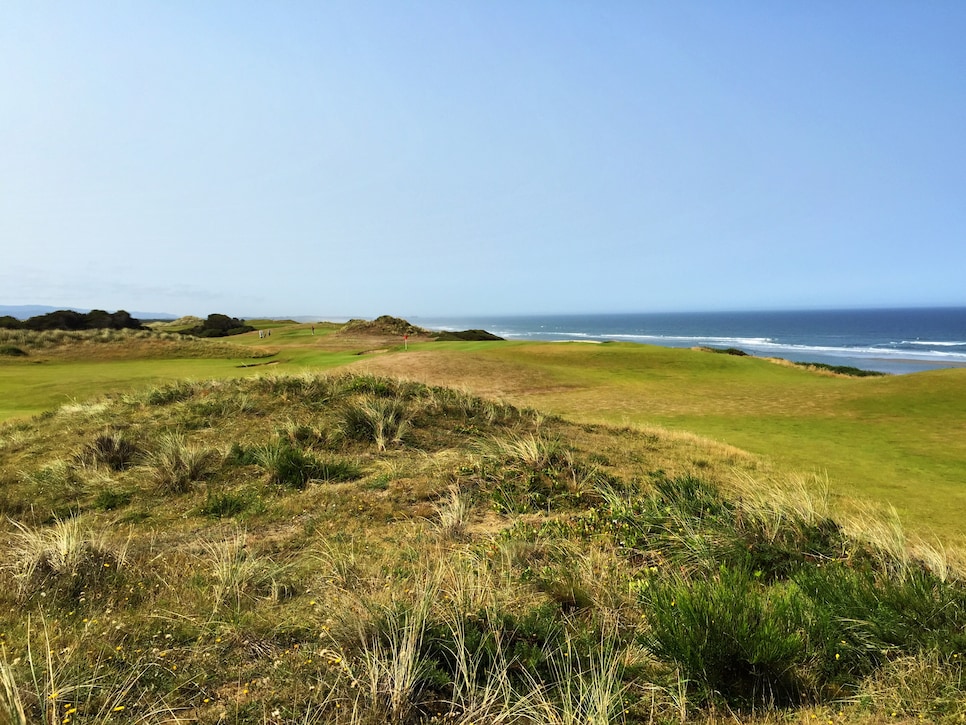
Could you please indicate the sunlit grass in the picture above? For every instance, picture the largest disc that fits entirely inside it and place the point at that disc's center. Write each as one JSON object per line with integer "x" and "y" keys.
{"x": 407, "y": 592}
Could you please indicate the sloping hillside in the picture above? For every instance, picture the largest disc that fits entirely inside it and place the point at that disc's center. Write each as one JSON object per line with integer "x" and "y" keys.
{"x": 354, "y": 549}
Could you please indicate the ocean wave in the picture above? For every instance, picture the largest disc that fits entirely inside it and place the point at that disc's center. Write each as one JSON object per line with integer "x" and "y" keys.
{"x": 779, "y": 350}
{"x": 930, "y": 343}
{"x": 760, "y": 345}
{"x": 693, "y": 340}
{"x": 769, "y": 346}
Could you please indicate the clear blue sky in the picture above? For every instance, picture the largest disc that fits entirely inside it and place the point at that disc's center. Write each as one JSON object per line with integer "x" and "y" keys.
{"x": 447, "y": 158}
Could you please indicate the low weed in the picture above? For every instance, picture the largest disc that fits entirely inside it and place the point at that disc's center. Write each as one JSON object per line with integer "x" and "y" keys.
{"x": 531, "y": 472}
{"x": 80, "y": 683}
{"x": 225, "y": 504}
{"x": 923, "y": 686}
{"x": 57, "y": 477}
{"x": 109, "y": 499}
{"x": 58, "y": 488}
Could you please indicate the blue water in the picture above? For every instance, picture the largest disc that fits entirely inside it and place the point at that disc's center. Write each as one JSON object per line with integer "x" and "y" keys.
{"x": 889, "y": 341}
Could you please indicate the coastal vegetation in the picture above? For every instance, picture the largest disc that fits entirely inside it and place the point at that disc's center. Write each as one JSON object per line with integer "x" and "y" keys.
{"x": 72, "y": 320}
{"x": 466, "y": 532}
{"x": 218, "y": 325}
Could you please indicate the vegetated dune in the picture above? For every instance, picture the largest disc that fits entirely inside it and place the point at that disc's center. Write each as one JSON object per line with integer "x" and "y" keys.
{"x": 384, "y": 326}
{"x": 354, "y": 548}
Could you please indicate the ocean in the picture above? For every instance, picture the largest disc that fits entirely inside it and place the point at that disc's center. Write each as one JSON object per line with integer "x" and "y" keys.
{"x": 886, "y": 340}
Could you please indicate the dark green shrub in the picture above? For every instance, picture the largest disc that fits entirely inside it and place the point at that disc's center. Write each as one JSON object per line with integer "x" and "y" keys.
{"x": 12, "y": 351}
{"x": 466, "y": 336}
{"x": 864, "y": 617}
{"x": 93, "y": 320}
{"x": 738, "y": 352}
{"x": 736, "y": 639}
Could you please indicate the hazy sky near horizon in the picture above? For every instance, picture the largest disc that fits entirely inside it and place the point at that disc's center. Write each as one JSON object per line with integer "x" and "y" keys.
{"x": 461, "y": 158}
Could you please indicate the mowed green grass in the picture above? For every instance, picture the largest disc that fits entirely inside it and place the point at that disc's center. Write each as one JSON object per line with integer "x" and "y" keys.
{"x": 899, "y": 440}
{"x": 28, "y": 388}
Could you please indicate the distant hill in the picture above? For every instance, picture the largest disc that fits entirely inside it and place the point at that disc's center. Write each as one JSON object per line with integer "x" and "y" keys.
{"x": 23, "y": 312}
{"x": 386, "y": 326}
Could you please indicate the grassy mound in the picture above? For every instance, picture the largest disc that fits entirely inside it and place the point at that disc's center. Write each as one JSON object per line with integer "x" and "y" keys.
{"x": 355, "y": 549}
{"x": 384, "y": 326}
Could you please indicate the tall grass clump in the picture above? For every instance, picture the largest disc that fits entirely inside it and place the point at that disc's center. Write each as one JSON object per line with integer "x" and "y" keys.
{"x": 176, "y": 464}
{"x": 387, "y": 667}
{"x": 112, "y": 449}
{"x": 589, "y": 687}
{"x": 62, "y": 560}
{"x": 171, "y": 393}
{"x": 769, "y": 607}
{"x": 11, "y": 704}
{"x": 453, "y": 512}
{"x": 294, "y": 468}
{"x": 238, "y": 574}
{"x": 528, "y": 472}
{"x": 372, "y": 419}
{"x": 482, "y": 688}
{"x": 688, "y": 523}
